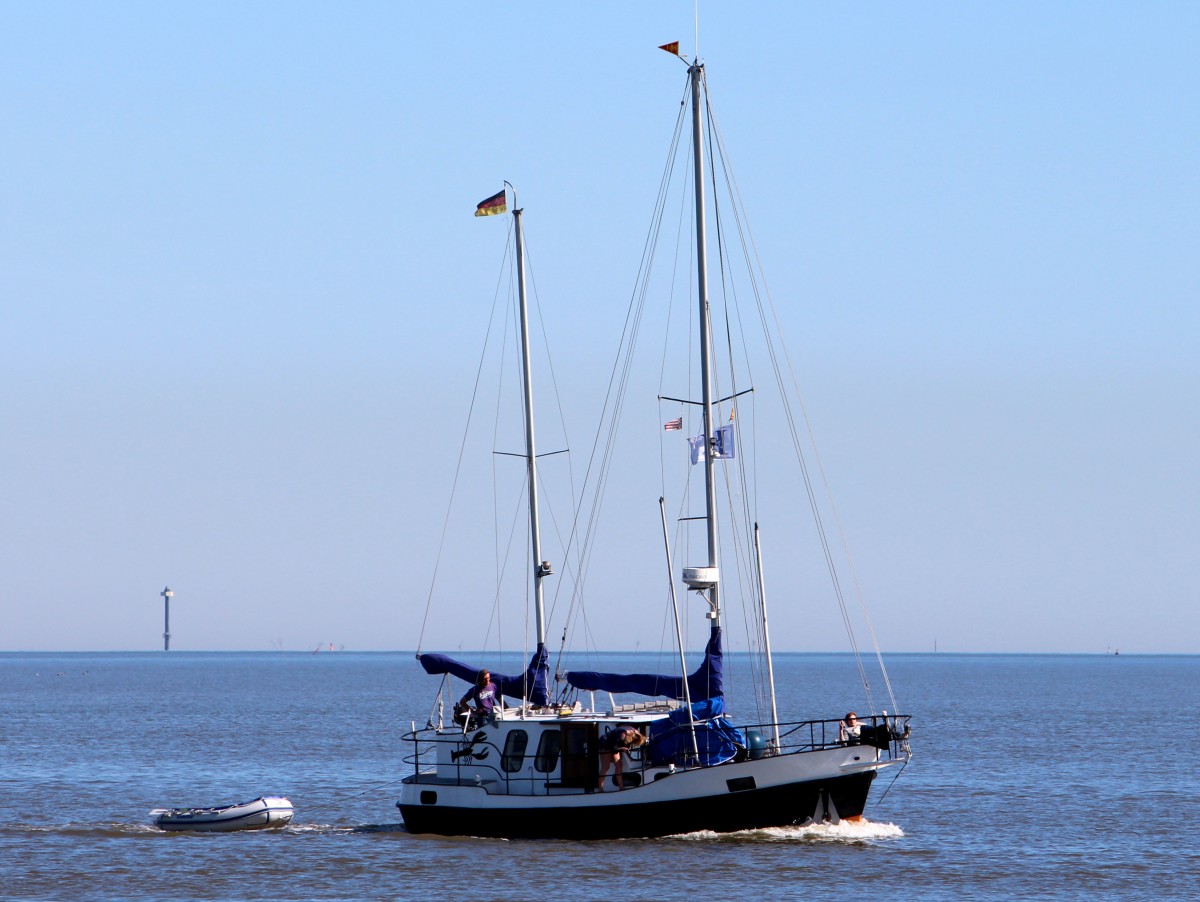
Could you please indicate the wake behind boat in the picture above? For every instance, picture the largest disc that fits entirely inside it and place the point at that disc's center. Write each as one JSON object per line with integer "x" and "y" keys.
{"x": 258, "y": 814}
{"x": 540, "y": 768}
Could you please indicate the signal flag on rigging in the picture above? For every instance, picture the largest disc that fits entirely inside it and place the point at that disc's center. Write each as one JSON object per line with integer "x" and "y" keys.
{"x": 672, "y": 48}
{"x": 722, "y": 445}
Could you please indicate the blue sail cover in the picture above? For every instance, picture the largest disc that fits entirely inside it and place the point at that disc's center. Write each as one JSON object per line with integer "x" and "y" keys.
{"x": 706, "y": 683}
{"x": 529, "y": 685}
{"x": 717, "y": 739}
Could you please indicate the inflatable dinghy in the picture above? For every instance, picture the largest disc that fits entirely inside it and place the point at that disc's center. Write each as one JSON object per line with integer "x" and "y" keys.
{"x": 260, "y": 814}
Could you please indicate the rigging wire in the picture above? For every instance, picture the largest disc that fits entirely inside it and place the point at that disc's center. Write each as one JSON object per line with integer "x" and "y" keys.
{"x": 596, "y": 473}
{"x": 895, "y": 777}
{"x": 565, "y": 543}
{"x": 682, "y": 538}
{"x": 745, "y": 561}
{"x": 586, "y": 514}
{"x": 814, "y": 505}
{"x": 499, "y": 561}
{"x": 463, "y": 444}
{"x": 751, "y": 250}
{"x": 500, "y": 554}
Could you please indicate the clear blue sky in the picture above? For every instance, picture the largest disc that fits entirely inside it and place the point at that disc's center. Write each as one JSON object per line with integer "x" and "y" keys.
{"x": 240, "y": 290}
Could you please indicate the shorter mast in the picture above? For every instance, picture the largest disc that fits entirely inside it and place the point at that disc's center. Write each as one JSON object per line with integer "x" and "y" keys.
{"x": 762, "y": 600}
{"x": 540, "y": 569}
{"x": 687, "y": 691}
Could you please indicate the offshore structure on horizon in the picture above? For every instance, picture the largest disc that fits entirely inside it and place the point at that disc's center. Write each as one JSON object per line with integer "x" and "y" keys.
{"x": 166, "y": 594}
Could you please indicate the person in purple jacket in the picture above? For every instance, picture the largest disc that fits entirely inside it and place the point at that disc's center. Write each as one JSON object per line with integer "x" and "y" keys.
{"x": 483, "y": 694}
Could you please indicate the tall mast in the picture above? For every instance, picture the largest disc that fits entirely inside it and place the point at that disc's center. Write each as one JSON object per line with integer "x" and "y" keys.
{"x": 696, "y": 74}
{"x": 540, "y": 570}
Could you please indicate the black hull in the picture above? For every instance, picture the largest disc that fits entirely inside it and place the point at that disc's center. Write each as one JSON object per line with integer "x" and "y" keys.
{"x": 778, "y": 806}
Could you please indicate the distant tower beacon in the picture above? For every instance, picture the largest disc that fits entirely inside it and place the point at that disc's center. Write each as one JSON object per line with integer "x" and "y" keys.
{"x": 167, "y": 595}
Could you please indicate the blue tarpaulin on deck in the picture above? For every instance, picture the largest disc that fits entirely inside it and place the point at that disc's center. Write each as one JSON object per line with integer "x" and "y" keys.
{"x": 717, "y": 739}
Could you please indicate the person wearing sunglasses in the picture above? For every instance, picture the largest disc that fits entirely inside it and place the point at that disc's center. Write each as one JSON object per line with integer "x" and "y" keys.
{"x": 850, "y": 730}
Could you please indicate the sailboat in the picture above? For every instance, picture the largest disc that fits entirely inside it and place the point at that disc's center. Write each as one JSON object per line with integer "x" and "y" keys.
{"x": 531, "y": 768}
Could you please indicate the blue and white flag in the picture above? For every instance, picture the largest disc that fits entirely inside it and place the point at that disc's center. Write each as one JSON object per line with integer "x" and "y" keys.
{"x": 722, "y": 445}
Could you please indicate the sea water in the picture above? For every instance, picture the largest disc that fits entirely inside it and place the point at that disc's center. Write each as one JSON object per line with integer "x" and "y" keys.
{"x": 1032, "y": 777}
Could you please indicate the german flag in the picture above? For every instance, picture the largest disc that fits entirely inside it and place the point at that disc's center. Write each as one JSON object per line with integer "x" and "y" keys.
{"x": 493, "y": 205}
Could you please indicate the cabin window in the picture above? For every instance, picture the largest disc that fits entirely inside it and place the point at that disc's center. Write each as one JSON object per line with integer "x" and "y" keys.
{"x": 514, "y": 751}
{"x": 546, "y": 759}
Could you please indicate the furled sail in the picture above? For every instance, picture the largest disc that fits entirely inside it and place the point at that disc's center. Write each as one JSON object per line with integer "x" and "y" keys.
{"x": 529, "y": 685}
{"x": 707, "y": 682}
